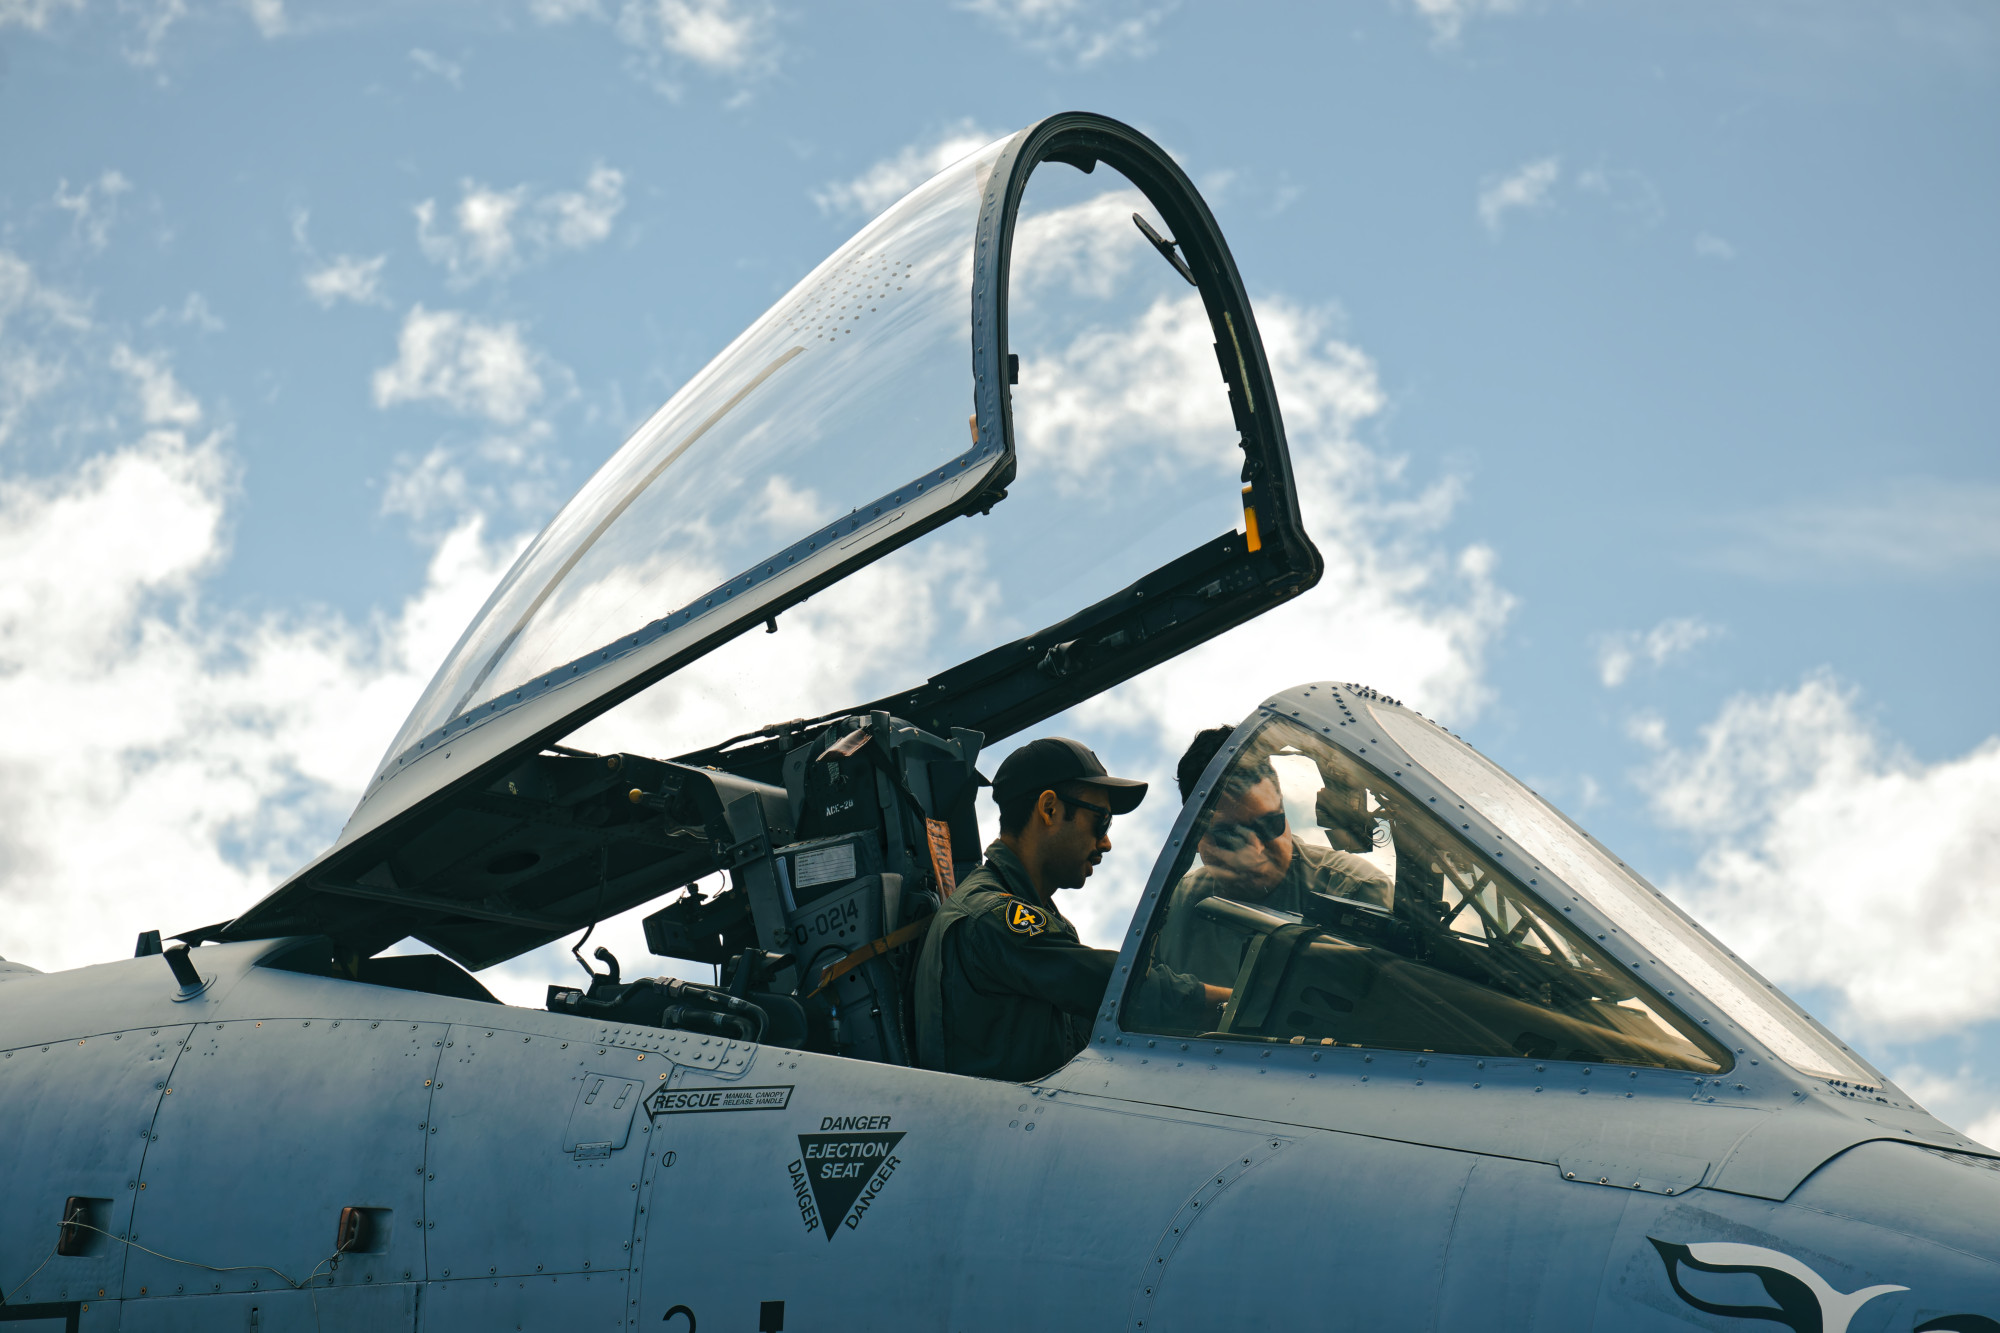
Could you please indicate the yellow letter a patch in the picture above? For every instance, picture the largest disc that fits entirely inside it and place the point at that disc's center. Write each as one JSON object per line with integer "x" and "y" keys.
{"x": 1025, "y": 920}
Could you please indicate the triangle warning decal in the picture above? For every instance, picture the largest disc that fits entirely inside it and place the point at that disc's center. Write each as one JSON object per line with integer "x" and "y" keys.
{"x": 839, "y": 1167}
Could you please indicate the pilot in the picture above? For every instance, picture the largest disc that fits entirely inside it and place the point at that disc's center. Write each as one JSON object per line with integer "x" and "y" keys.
{"x": 1249, "y": 854}
{"x": 1004, "y": 988}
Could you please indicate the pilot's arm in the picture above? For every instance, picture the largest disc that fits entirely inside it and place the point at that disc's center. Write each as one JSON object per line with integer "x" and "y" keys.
{"x": 998, "y": 960}
{"x": 1051, "y": 966}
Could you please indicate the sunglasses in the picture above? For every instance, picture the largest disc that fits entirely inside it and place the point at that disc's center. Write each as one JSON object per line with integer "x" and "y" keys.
{"x": 1234, "y": 837}
{"x": 1103, "y": 815}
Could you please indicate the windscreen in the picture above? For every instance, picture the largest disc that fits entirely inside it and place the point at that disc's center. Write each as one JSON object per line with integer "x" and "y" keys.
{"x": 1640, "y": 912}
{"x": 1335, "y": 909}
{"x": 856, "y": 383}
{"x": 1127, "y": 455}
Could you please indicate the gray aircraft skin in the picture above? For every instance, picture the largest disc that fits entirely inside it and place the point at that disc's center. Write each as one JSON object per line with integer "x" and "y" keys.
{"x": 1515, "y": 1089}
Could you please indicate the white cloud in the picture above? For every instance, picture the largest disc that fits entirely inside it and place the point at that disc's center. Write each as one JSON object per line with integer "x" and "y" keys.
{"x": 472, "y": 368}
{"x": 347, "y": 278}
{"x": 1525, "y": 188}
{"x": 494, "y": 232}
{"x": 1907, "y": 527}
{"x": 721, "y": 34}
{"x": 195, "y": 312}
{"x": 1966, "y": 1095}
{"x": 1618, "y": 653}
{"x": 93, "y": 207}
{"x": 1082, "y": 250}
{"x": 724, "y": 36}
{"x": 36, "y": 322}
{"x": 1449, "y": 17}
{"x": 575, "y": 219}
{"x": 1100, "y": 395}
{"x": 34, "y": 15}
{"x": 342, "y": 278}
{"x": 483, "y": 242}
{"x": 423, "y": 488}
{"x": 787, "y": 508}
{"x": 165, "y": 762}
{"x": 167, "y": 765}
{"x": 150, "y": 21}
{"x": 893, "y": 177}
{"x": 1710, "y": 246}
{"x": 430, "y": 62}
{"x": 269, "y": 16}
{"x": 504, "y": 473}
{"x": 737, "y": 38}
{"x": 1077, "y": 33}
{"x": 162, "y": 401}
{"x": 1833, "y": 860}
{"x": 1625, "y": 191}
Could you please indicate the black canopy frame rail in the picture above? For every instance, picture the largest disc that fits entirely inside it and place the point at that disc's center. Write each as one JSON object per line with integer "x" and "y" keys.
{"x": 1213, "y": 588}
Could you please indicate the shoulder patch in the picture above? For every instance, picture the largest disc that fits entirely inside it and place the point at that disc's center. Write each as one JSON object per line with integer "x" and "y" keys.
{"x": 1023, "y": 919}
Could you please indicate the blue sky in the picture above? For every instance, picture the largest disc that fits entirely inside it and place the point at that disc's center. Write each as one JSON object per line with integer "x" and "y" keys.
{"x": 1652, "y": 344}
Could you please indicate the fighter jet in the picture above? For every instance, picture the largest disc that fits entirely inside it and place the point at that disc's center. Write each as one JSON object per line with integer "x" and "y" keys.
{"x": 1473, "y": 1072}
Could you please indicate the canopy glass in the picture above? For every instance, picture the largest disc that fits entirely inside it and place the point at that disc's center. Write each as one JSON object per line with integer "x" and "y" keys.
{"x": 853, "y": 387}
{"x": 1640, "y": 910}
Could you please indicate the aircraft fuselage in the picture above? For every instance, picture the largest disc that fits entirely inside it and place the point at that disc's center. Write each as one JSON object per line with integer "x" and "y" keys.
{"x": 563, "y": 1174}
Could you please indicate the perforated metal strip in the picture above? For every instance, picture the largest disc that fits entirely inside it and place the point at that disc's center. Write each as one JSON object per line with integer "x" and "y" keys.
{"x": 1190, "y": 1212}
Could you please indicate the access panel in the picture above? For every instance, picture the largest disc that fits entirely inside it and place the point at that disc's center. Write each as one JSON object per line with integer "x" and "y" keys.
{"x": 87, "y": 1104}
{"x": 272, "y": 1128}
{"x": 534, "y": 1157}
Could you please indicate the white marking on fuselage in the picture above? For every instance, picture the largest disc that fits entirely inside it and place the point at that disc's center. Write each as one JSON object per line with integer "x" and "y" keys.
{"x": 1836, "y": 1308}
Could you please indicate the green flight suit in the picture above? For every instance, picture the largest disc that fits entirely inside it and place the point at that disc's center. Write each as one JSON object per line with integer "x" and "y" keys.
{"x": 1213, "y": 950}
{"x": 1004, "y": 988}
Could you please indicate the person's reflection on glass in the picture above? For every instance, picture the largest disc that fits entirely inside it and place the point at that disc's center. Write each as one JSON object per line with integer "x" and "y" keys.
{"x": 1249, "y": 853}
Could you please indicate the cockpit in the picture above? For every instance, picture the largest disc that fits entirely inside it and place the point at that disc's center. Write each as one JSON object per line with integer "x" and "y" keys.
{"x": 1014, "y": 443}
{"x": 1340, "y": 910}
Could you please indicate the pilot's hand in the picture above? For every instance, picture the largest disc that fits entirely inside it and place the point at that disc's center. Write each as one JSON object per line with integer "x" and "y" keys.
{"x": 1253, "y": 868}
{"x": 1217, "y": 996}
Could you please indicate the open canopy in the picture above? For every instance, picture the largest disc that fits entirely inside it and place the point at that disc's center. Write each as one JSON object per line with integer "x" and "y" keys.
{"x": 845, "y": 423}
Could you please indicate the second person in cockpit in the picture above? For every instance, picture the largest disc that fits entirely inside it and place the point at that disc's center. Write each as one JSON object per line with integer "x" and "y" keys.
{"x": 1249, "y": 854}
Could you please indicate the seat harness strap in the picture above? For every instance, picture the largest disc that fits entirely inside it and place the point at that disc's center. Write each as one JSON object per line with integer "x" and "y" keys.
{"x": 873, "y": 949}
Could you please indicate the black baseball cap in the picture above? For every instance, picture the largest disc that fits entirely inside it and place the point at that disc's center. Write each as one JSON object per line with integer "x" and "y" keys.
{"x": 1045, "y": 764}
